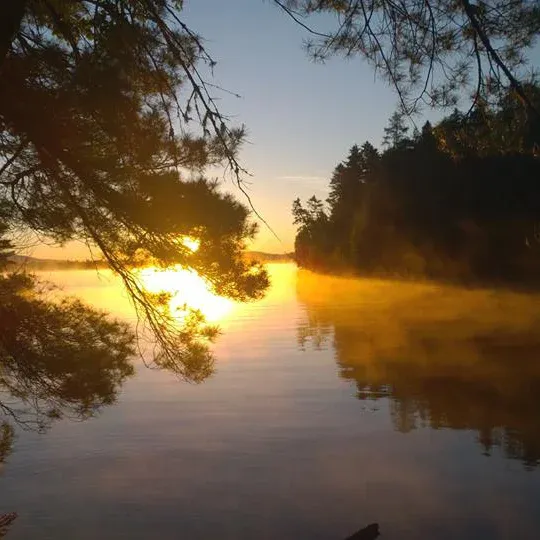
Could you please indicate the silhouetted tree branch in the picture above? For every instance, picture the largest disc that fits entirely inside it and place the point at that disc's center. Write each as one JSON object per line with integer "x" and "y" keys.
{"x": 127, "y": 126}
{"x": 429, "y": 50}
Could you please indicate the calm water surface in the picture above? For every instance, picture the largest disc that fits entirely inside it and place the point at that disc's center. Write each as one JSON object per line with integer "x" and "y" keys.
{"x": 335, "y": 403}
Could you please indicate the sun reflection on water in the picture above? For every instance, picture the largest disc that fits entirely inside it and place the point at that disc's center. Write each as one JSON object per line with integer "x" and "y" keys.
{"x": 188, "y": 290}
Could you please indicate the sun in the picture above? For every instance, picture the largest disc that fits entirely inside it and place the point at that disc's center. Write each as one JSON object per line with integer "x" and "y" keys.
{"x": 191, "y": 243}
{"x": 188, "y": 289}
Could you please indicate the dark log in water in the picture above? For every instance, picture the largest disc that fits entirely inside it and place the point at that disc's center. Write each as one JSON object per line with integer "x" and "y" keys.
{"x": 367, "y": 533}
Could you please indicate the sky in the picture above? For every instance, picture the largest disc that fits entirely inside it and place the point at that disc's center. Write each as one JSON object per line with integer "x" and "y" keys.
{"x": 302, "y": 117}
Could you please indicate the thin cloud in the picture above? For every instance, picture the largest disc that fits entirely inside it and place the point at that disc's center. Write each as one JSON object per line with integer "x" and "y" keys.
{"x": 303, "y": 178}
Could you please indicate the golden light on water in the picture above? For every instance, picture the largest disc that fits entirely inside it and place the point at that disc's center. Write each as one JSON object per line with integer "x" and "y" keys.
{"x": 188, "y": 290}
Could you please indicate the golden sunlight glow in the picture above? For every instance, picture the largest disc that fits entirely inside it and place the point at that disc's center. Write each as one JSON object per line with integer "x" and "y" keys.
{"x": 191, "y": 243}
{"x": 188, "y": 290}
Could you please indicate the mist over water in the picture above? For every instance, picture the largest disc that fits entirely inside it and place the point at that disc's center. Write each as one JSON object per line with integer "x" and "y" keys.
{"x": 445, "y": 357}
{"x": 335, "y": 403}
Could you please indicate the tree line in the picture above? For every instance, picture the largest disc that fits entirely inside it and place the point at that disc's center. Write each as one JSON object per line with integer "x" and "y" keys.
{"x": 459, "y": 200}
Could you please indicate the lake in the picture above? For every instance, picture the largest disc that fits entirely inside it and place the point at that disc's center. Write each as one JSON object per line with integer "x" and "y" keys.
{"x": 335, "y": 403}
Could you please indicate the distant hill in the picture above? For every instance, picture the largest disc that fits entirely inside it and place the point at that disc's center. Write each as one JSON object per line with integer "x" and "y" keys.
{"x": 261, "y": 256}
{"x": 34, "y": 263}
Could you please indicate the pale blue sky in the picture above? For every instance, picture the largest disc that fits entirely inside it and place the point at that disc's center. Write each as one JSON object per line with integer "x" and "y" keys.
{"x": 301, "y": 117}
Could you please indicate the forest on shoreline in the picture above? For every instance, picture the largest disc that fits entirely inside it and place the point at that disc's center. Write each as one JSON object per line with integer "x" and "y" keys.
{"x": 458, "y": 201}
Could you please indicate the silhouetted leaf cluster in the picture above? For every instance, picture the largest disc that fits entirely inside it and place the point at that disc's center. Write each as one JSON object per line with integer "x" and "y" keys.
{"x": 58, "y": 357}
{"x": 430, "y": 51}
{"x": 106, "y": 124}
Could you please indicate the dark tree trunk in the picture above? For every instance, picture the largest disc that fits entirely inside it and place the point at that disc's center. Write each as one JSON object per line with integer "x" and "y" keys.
{"x": 11, "y": 16}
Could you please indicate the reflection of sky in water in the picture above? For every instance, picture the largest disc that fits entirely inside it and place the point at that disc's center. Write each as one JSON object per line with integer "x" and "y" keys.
{"x": 274, "y": 445}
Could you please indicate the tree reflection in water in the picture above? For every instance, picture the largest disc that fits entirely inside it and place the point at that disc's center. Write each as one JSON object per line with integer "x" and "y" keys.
{"x": 58, "y": 358}
{"x": 444, "y": 357}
